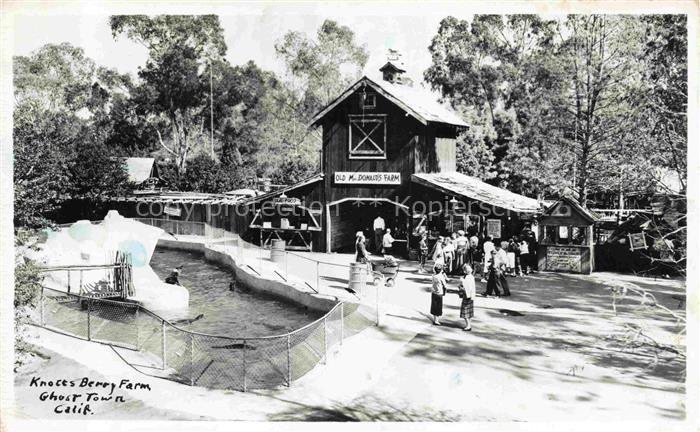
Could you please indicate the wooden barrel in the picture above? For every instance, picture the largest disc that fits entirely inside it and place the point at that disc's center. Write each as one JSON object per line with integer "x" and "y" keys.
{"x": 277, "y": 251}
{"x": 358, "y": 276}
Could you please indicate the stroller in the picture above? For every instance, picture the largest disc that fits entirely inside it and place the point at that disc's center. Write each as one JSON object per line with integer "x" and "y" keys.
{"x": 386, "y": 269}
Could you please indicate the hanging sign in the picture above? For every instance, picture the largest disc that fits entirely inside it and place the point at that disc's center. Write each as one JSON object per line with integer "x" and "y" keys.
{"x": 378, "y": 178}
{"x": 493, "y": 228}
{"x": 291, "y": 201}
{"x": 172, "y": 210}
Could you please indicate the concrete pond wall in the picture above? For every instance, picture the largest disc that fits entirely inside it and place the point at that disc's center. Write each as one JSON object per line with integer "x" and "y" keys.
{"x": 252, "y": 281}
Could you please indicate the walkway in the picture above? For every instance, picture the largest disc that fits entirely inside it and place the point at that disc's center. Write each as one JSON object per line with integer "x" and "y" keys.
{"x": 540, "y": 355}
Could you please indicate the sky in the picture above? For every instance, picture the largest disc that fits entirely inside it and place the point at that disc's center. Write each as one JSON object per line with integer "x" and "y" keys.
{"x": 250, "y": 32}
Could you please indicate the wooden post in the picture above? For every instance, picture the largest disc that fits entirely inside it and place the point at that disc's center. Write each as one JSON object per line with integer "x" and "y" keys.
{"x": 80, "y": 286}
{"x": 68, "y": 281}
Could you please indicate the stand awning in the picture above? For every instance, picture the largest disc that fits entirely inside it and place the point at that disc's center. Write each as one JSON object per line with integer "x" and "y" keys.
{"x": 464, "y": 186}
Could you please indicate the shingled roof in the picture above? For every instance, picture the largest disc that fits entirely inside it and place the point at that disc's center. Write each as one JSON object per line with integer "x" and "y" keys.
{"x": 417, "y": 101}
{"x": 472, "y": 188}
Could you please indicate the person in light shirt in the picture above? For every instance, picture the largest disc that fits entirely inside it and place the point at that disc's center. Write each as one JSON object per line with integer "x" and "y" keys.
{"x": 488, "y": 248}
{"x": 379, "y": 227}
{"x": 467, "y": 291}
{"x": 387, "y": 242}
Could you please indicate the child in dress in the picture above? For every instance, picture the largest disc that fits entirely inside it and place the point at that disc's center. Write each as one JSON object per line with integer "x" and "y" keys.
{"x": 467, "y": 290}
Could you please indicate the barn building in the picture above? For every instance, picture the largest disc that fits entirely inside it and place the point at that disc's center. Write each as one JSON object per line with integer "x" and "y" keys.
{"x": 389, "y": 150}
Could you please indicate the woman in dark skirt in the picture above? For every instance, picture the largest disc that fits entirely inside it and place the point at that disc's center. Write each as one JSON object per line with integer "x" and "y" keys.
{"x": 467, "y": 291}
{"x": 494, "y": 282}
{"x": 437, "y": 293}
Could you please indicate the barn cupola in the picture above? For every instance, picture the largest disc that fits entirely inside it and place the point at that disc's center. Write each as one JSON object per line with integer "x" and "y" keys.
{"x": 393, "y": 70}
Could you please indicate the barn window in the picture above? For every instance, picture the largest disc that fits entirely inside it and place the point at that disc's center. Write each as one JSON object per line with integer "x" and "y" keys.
{"x": 367, "y": 137}
{"x": 368, "y": 100}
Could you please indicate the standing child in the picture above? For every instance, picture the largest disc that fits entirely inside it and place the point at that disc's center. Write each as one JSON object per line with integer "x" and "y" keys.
{"x": 467, "y": 290}
{"x": 423, "y": 245}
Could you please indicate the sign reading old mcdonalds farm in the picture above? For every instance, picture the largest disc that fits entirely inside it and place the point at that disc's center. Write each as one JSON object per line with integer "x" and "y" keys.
{"x": 377, "y": 178}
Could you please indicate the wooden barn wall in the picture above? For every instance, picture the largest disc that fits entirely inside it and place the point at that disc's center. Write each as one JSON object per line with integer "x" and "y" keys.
{"x": 402, "y": 131}
{"x": 436, "y": 150}
{"x": 342, "y": 232}
{"x": 446, "y": 151}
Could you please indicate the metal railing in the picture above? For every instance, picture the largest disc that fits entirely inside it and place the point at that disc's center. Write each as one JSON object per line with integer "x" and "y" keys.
{"x": 163, "y": 349}
{"x": 159, "y": 348}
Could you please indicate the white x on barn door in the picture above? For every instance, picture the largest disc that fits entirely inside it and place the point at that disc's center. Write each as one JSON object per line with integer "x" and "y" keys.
{"x": 367, "y": 136}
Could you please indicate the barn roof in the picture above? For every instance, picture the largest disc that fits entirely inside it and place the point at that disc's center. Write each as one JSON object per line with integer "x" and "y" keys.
{"x": 472, "y": 188}
{"x": 419, "y": 102}
{"x": 139, "y": 169}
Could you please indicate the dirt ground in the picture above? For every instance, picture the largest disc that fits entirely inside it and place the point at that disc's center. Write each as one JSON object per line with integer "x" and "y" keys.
{"x": 543, "y": 355}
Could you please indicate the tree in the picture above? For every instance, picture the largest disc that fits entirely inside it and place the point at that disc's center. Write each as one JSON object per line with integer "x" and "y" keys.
{"x": 665, "y": 86}
{"x": 204, "y": 174}
{"x": 502, "y": 70}
{"x": 602, "y": 74}
{"x": 318, "y": 69}
{"x": 58, "y": 144}
{"x": 42, "y": 155}
{"x": 174, "y": 86}
{"x": 323, "y": 67}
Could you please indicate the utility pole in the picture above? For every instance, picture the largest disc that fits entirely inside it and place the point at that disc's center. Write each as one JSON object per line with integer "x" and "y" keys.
{"x": 211, "y": 105}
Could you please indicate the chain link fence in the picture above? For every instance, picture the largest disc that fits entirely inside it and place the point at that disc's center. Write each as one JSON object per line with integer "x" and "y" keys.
{"x": 162, "y": 349}
{"x": 192, "y": 358}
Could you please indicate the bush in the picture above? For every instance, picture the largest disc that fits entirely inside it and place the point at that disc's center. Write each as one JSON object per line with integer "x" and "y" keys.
{"x": 28, "y": 282}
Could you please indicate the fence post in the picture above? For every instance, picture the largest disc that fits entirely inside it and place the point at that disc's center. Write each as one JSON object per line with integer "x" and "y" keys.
{"x": 191, "y": 359}
{"x": 137, "y": 328}
{"x": 245, "y": 376}
{"x": 80, "y": 286}
{"x": 318, "y": 277}
{"x": 325, "y": 340}
{"x": 89, "y": 306}
{"x": 68, "y": 281}
{"x": 165, "y": 345}
{"x": 286, "y": 265}
{"x": 342, "y": 322}
{"x": 289, "y": 360}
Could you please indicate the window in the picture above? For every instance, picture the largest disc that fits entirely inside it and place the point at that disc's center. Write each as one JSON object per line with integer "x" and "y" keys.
{"x": 368, "y": 100}
{"x": 367, "y": 136}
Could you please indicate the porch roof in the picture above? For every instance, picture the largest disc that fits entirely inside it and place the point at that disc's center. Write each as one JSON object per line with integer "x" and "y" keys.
{"x": 462, "y": 185}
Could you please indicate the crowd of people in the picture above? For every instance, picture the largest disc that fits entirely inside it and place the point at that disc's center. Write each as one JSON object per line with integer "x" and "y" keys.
{"x": 465, "y": 256}
{"x": 514, "y": 257}
{"x": 462, "y": 255}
